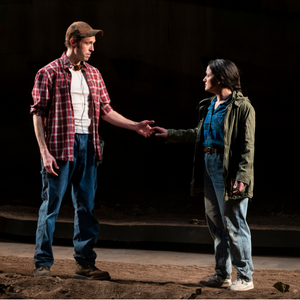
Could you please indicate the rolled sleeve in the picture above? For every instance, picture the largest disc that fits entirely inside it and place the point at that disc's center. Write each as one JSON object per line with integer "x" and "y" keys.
{"x": 105, "y": 109}
{"x": 41, "y": 93}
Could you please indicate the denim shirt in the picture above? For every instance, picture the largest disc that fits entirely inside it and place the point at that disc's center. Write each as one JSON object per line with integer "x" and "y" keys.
{"x": 214, "y": 125}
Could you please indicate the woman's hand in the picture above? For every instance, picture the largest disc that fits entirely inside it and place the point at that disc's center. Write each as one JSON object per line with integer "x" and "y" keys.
{"x": 238, "y": 187}
{"x": 162, "y": 131}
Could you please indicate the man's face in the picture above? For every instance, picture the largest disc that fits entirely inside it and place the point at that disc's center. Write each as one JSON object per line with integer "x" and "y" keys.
{"x": 211, "y": 82}
{"x": 84, "y": 48}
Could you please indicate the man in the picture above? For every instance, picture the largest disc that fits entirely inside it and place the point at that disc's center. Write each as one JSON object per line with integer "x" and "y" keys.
{"x": 69, "y": 97}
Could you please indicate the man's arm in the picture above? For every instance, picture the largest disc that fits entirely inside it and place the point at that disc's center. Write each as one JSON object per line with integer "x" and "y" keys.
{"x": 143, "y": 128}
{"x": 48, "y": 159}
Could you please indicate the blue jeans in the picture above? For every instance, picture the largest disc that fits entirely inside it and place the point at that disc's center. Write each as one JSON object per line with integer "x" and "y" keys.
{"x": 226, "y": 222}
{"x": 82, "y": 175}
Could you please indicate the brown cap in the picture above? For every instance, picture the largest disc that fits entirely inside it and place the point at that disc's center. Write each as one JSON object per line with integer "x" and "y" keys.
{"x": 82, "y": 29}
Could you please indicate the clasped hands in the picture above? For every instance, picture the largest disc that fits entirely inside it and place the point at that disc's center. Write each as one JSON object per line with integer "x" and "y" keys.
{"x": 143, "y": 128}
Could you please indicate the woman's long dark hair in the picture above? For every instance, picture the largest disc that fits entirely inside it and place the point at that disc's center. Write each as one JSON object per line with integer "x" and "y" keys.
{"x": 227, "y": 73}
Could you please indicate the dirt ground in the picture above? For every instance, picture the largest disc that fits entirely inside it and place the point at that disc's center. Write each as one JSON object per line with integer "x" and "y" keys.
{"x": 133, "y": 281}
{"x": 141, "y": 281}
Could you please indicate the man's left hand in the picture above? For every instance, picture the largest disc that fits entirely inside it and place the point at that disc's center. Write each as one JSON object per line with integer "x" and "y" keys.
{"x": 143, "y": 128}
{"x": 238, "y": 187}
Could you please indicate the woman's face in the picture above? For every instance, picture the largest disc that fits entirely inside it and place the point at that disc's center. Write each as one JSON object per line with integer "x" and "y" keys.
{"x": 211, "y": 82}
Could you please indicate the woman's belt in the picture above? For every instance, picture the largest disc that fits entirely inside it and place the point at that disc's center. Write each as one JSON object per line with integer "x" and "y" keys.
{"x": 213, "y": 150}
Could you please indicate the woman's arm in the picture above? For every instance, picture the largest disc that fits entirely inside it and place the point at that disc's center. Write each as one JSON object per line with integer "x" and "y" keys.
{"x": 177, "y": 136}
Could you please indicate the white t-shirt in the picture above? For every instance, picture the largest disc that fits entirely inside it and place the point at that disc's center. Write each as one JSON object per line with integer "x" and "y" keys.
{"x": 81, "y": 100}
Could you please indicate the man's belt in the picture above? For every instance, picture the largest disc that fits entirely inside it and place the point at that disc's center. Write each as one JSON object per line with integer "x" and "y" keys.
{"x": 213, "y": 150}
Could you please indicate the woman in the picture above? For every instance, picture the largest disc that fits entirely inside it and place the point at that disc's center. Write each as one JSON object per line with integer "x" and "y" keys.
{"x": 225, "y": 137}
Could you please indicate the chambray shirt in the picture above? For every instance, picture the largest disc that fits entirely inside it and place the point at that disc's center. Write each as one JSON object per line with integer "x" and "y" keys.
{"x": 214, "y": 125}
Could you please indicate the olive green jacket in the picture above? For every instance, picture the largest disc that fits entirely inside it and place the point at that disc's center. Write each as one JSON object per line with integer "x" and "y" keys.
{"x": 239, "y": 135}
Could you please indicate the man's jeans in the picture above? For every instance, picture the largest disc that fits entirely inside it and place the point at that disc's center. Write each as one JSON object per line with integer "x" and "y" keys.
{"x": 227, "y": 223}
{"x": 82, "y": 175}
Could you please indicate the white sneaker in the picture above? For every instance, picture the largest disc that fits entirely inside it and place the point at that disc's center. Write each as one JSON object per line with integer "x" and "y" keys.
{"x": 241, "y": 285}
{"x": 215, "y": 281}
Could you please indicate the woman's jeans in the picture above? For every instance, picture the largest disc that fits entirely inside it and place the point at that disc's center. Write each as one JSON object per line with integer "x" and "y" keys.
{"x": 227, "y": 223}
{"x": 82, "y": 175}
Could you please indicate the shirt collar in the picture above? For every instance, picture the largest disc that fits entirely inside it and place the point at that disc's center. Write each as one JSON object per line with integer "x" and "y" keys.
{"x": 226, "y": 101}
{"x": 67, "y": 63}
{"x": 213, "y": 101}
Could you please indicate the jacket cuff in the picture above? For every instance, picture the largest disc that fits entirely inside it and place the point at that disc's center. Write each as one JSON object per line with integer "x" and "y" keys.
{"x": 170, "y": 137}
{"x": 243, "y": 178}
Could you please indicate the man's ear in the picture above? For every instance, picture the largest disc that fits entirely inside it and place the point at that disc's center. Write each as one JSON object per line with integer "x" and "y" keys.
{"x": 72, "y": 42}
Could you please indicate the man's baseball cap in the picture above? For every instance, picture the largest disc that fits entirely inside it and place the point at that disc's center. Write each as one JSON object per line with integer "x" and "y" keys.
{"x": 82, "y": 29}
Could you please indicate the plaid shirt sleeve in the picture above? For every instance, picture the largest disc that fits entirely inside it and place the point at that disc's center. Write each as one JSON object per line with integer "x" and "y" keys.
{"x": 51, "y": 100}
{"x": 41, "y": 92}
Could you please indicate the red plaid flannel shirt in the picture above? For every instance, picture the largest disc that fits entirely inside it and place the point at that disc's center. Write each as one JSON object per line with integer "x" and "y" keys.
{"x": 52, "y": 100}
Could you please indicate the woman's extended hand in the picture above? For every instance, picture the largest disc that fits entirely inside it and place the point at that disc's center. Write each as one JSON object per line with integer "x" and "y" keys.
{"x": 162, "y": 131}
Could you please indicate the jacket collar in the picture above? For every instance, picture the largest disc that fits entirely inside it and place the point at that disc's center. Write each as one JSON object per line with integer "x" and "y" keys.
{"x": 237, "y": 99}
{"x": 205, "y": 102}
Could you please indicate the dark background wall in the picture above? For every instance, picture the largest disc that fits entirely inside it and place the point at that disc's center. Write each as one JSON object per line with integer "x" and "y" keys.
{"x": 153, "y": 57}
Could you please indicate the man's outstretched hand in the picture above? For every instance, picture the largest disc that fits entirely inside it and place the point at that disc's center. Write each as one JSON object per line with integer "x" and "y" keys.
{"x": 143, "y": 128}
